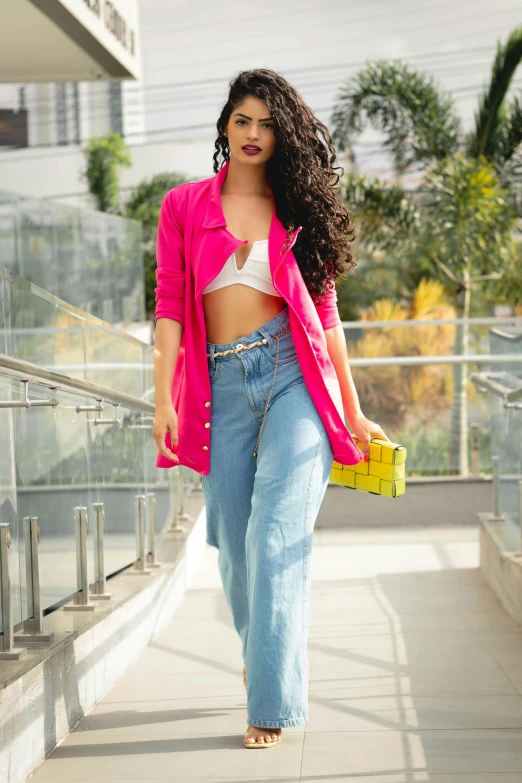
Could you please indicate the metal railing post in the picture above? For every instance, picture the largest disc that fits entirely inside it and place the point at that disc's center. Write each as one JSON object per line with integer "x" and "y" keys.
{"x": 175, "y": 502}
{"x": 475, "y": 450}
{"x": 520, "y": 509}
{"x": 139, "y": 566}
{"x": 182, "y": 516}
{"x": 99, "y": 593}
{"x": 7, "y": 651}
{"x": 151, "y": 509}
{"x": 80, "y": 602}
{"x": 495, "y": 469}
{"x": 33, "y": 627}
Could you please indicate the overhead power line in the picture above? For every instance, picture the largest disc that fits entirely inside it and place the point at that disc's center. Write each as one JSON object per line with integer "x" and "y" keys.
{"x": 316, "y": 70}
{"x": 208, "y": 125}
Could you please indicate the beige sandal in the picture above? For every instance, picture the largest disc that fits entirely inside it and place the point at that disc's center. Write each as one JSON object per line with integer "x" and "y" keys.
{"x": 263, "y": 744}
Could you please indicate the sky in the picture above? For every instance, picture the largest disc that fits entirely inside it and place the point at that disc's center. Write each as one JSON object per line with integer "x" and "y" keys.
{"x": 191, "y": 50}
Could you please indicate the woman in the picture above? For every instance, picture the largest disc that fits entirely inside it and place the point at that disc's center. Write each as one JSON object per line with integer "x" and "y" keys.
{"x": 252, "y": 375}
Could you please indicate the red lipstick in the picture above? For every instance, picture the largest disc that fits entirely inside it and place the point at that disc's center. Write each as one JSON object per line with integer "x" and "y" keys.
{"x": 251, "y": 149}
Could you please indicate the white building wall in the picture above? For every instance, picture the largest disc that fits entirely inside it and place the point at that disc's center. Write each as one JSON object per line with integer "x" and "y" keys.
{"x": 56, "y": 173}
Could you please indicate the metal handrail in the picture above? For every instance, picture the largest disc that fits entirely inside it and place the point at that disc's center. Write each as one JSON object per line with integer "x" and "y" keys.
{"x": 514, "y": 320}
{"x": 469, "y": 358}
{"x": 361, "y": 361}
{"x": 485, "y": 381}
{"x": 27, "y": 371}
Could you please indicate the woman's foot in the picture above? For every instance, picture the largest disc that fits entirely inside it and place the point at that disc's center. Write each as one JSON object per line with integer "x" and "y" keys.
{"x": 257, "y": 735}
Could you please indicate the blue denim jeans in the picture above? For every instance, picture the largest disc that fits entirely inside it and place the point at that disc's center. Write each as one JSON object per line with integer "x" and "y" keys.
{"x": 261, "y": 513}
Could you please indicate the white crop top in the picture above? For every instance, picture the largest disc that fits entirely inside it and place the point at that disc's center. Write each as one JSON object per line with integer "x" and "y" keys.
{"x": 255, "y": 272}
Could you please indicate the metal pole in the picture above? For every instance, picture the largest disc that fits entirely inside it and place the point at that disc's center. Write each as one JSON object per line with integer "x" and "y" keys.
{"x": 520, "y": 507}
{"x": 139, "y": 566}
{"x": 33, "y": 627}
{"x": 182, "y": 515}
{"x": 151, "y": 507}
{"x": 80, "y": 602}
{"x": 175, "y": 526}
{"x": 475, "y": 450}
{"x": 99, "y": 593}
{"x": 7, "y": 651}
{"x": 495, "y": 462}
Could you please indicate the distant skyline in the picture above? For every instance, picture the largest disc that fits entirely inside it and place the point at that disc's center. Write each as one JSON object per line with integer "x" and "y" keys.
{"x": 191, "y": 51}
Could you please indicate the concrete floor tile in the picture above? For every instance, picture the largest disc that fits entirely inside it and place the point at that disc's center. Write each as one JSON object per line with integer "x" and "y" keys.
{"x": 514, "y": 675}
{"x": 133, "y": 757}
{"x": 456, "y": 682}
{"x": 490, "y": 619}
{"x": 413, "y": 677}
{"x": 405, "y": 712}
{"x": 361, "y": 625}
{"x": 159, "y": 687}
{"x": 196, "y": 716}
{"x": 400, "y": 652}
{"x": 505, "y": 646}
{"x": 188, "y": 658}
{"x": 394, "y": 752}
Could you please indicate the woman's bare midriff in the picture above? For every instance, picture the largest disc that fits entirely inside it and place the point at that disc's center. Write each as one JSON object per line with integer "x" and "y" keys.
{"x": 236, "y": 310}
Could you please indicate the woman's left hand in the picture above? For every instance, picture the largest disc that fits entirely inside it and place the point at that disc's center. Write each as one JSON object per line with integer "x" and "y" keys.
{"x": 365, "y": 429}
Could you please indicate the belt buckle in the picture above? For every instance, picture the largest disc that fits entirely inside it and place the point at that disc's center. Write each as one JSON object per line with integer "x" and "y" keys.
{"x": 240, "y": 345}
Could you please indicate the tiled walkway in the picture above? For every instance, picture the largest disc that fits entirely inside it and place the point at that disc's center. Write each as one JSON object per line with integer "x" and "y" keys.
{"x": 416, "y": 675}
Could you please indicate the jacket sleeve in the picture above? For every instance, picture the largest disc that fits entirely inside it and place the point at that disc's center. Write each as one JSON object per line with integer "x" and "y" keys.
{"x": 328, "y": 312}
{"x": 170, "y": 266}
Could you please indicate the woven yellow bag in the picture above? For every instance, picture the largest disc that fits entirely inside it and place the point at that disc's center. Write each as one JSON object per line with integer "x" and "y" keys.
{"x": 383, "y": 474}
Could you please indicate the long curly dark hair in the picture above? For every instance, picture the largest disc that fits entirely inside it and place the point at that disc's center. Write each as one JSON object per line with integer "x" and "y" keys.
{"x": 301, "y": 174}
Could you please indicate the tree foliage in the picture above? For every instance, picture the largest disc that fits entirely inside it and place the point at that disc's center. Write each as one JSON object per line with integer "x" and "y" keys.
{"x": 105, "y": 156}
{"x": 144, "y": 205}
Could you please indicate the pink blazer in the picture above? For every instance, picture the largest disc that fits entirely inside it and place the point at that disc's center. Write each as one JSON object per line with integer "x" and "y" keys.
{"x": 193, "y": 243}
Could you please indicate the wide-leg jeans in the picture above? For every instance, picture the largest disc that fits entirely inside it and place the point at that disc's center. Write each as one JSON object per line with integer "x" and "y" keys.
{"x": 261, "y": 513}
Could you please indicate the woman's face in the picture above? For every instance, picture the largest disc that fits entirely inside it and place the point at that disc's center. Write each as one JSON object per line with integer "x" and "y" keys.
{"x": 250, "y": 125}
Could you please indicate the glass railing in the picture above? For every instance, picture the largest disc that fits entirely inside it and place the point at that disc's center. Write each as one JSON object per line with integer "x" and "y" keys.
{"x": 84, "y": 439}
{"x": 505, "y": 401}
{"x": 91, "y": 259}
{"x": 76, "y": 447}
{"x": 411, "y": 381}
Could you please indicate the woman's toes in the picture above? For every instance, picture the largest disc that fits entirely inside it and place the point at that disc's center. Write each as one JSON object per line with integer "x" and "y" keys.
{"x": 274, "y": 737}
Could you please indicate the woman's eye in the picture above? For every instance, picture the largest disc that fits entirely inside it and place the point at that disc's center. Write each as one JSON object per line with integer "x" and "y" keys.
{"x": 265, "y": 125}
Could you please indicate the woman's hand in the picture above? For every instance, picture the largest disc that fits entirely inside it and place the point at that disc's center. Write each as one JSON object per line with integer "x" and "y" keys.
{"x": 165, "y": 420}
{"x": 365, "y": 430}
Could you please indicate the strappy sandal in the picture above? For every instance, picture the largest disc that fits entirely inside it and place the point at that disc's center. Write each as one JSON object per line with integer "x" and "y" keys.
{"x": 270, "y": 744}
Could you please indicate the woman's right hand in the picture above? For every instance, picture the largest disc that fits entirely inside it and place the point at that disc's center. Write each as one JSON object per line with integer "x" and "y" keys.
{"x": 165, "y": 420}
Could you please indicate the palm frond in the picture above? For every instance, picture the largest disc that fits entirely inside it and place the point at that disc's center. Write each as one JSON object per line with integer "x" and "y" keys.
{"x": 492, "y": 120}
{"x": 420, "y": 121}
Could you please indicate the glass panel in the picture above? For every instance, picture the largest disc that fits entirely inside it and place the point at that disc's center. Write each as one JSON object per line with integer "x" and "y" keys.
{"x": 416, "y": 407}
{"x": 55, "y": 458}
{"x": 53, "y": 477}
{"x": 506, "y": 426}
{"x": 90, "y": 259}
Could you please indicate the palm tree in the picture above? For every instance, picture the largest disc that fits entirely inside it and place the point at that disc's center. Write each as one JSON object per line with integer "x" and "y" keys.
{"x": 465, "y": 233}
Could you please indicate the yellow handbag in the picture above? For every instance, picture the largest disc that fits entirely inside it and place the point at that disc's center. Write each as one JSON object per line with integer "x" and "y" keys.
{"x": 383, "y": 474}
